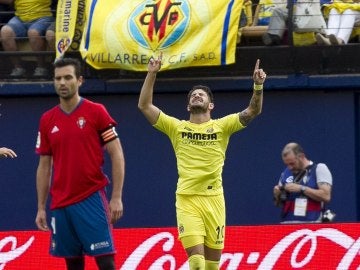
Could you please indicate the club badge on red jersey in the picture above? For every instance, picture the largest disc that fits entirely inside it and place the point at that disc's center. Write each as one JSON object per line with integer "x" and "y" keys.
{"x": 81, "y": 122}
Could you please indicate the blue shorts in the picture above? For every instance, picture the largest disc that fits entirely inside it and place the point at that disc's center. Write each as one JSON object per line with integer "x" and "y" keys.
{"x": 82, "y": 228}
{"x": 21, "y": 28}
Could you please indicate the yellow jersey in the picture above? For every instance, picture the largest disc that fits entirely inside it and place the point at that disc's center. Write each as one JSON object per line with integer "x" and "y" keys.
{"x": 30, "y": 10}
{"x": 200, "y": 151}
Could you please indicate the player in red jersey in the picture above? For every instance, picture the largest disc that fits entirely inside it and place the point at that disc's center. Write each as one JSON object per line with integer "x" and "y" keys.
{"x": 71, "y": 140}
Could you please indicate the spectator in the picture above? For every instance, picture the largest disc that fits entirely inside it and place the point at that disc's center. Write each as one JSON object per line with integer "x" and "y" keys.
{"x": 307, "y": 17}
{"x": 32, "y": 18}
{"x": 6, "y": 152}
{"x": 50, "y": 31}
{"x": 304, "y": 187}
{"x": 50, "y": 36}
{"x": 342, "y": 16}
{"x": 266, "y": 9}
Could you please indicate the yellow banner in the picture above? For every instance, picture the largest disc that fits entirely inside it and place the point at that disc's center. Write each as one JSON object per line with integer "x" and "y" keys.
{"x": 66, "y": 23}
{"x": 125, "y": 34}
{"x": 79, "y": 27}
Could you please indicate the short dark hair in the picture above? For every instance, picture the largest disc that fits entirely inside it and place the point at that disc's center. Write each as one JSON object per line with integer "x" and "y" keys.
{"x": 67, "y": 61}
{"x": 202, "y": 87}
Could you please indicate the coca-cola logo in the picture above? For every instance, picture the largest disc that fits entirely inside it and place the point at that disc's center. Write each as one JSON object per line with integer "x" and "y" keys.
{"x": 14, "y": 251}
{"x": 308, "y": 236}
{"x": 268, "y": 247}
{"x": 302, "y": 239}
{"x": 134, "y": 260}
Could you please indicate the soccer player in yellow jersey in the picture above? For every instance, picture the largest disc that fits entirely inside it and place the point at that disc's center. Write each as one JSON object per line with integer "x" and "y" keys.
{"x": 200, "y": 144}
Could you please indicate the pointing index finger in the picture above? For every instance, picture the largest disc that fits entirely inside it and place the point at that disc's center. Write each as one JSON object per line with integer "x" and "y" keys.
{"x": 257, "y": 64}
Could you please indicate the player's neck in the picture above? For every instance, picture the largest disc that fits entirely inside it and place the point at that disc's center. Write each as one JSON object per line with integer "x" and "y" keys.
{"x": 200, "y": 118}
{"x": 68, "y": 105}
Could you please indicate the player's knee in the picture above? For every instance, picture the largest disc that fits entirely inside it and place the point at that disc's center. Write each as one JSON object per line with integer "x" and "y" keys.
{"x": 212, "y": 265}
{"x": 197, "y": 262}
{"x": 105, "y": 262}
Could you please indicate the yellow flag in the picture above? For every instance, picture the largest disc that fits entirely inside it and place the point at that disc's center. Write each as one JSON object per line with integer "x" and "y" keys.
{"x": 66, "y": 23}
{"x": 125, "y": 34}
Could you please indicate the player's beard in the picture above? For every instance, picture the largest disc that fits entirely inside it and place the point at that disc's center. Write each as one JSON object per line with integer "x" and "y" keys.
{"x": 197, "y": 109}
{"x": 66, "y": 95}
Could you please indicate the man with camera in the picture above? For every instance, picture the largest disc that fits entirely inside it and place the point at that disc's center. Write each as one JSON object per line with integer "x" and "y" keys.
{"x": 303, "y": 189}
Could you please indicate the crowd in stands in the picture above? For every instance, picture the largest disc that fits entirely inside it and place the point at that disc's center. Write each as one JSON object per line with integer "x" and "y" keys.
{"x": 321, "y": 22}
{"x": 29, "y": 21}
{"x": 329, "y": 22}
{"x": 342, "y": 17}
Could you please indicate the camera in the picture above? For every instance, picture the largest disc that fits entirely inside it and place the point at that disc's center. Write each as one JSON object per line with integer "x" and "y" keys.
{"x": 283, "y": 194}
{"x": 328, "y": 216}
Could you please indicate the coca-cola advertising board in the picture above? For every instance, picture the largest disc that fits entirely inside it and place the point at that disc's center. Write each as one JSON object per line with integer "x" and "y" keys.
{"x": 300, "y": 246}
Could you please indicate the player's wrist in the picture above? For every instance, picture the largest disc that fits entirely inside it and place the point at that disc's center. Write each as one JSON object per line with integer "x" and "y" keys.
{"x": 258, "y": 87}
{"x": 153, "y": 73}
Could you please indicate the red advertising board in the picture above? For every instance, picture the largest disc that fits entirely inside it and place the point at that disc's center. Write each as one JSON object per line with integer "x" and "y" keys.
{"x": 301, "y": 246}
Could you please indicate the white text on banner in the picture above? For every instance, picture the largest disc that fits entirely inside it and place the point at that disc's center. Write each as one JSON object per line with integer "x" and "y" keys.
{"x": 125, "y": 34}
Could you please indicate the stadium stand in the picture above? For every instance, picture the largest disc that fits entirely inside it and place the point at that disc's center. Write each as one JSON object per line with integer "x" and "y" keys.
{"x": 251, "y": 33}
{"x": 283, "y": 61}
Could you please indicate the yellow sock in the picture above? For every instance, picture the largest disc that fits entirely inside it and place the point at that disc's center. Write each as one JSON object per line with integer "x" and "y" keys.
{"x": 212, "y": 265}
{"x": 197, "y": 262}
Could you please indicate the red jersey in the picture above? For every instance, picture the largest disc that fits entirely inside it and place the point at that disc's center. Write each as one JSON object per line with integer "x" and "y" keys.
{"x": 75, "y": 142}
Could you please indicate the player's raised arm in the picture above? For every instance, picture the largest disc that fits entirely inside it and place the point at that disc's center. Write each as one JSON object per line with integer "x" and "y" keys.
{"x": 146, "y": 106}
{"x": 256, "y": 101}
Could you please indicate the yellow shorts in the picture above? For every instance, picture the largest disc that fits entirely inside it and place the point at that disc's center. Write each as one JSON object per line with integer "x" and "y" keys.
{"x": 201, "y": 216}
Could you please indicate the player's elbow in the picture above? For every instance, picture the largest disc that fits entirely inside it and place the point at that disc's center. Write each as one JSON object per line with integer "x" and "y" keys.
{"x": 255, "y": 112}
{"x": 142, "y": 106}
{"x": 259, "y": 111}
